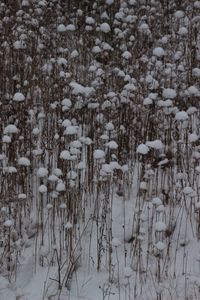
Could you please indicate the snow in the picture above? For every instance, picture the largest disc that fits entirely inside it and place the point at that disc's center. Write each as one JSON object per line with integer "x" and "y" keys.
{"x": 197, "y": 4}
{"x": 109, "y": 126}
{"x": 99, "y": 154}
{"x": 106, "y": 169}
{"x": 76, "y": 144}
{"x": 115, "y": 242}
{"x": 6, "y": 139}
{"x": 37, "y": 152}
{"x": 81, "y": 165}
{"x": 115, "y": 165}
{"x": 109, "y": 2}
{"x": 42, "y": 189}
{"x": 105, "y": 27}
{"x": 80, "y": 89}
{"x": 157, "y": 144}
{"x": 181, "y": 116}
{"x": 90, "y": 20}
{"x": 177, "y": 55}
{"x": 106, "y": 104}
{"x": 53, "y": 178}
{"x": 153, "y": 96}
{"x": 57, "y": 172}
{"x": 60, "y": 187}
{"x": 107, "y": 47}
{"x": 70, "y": 27}
{"x": 10, "y": 129}
{"x": 61, "y": 28}
{"x": 124, "y": 168}
{"x": 160, "y": 208}
{"x": 161, "y": 103}
{"x": 160, "y": 226}
{"x": 18, "y": 97}
{"x": 196, "y": 155}
{"x": 193, "y": 137}
{"x": 72, "y": 175}
{"x": 2, "y": 157}
{"x": 23, "y": 161}
{"x": 5, "y": 290}
{"x": 71, "y": 130}
{"x": 67, "y": 102}
{"x": 126, "y": 55}
{"x": 112, "y": 145}
{"x": 156, "y": 201}
{"x": 197, "y": 169}
{"x": 183, "y": 31}
{"x": 168, "y": 103}
{"x": 8, "y": 223}
{"x": 163, "y": 162}
{"x": 66, "y": 123}
{"x": 160, "y": 246}
{"x": 65, "y": 154}
{"x": 19, "y": 45}
{"x": 87, "y": 141}
{"x": 68, "y": 226}
{"x": 41, "y": 115}
{"x": 128, "y": 272}
{"x": 147, "y": 101}
{"x": 196, "y": 72}
{"x": 25, "y": 3}
{"x": 130, "y": 87}
{"x": 169, "y": 93}
{"x": 10, "y": 169}
{"x": 96, "y": 49}
{"x": 36, "y": 131}
{"x": 42, "y": 172}
{"x": 144, "y": 28}
{"x": 108, "y": 121}
{"x": 158, "y": 51}
{"x": 187, "y": 190}
{"x": 22, "y": 196}
{"x": 180, "y": 176}
{"x": 143, "y": 185}
{"x": 63, "y": 206}
{"x": 104, "y": 137}
{"x": 62, "y": 61}
{"x": 54, "y": 194}
{"x": 142, "y": 149}
{"x": 74, "y": 54}
{"x": 74, "y": 151}
{"x": 193, "y": 91}
{"x": 179, "y": 14}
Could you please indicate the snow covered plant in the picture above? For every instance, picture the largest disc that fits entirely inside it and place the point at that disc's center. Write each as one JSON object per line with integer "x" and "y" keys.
{"x": 99, "y": 139}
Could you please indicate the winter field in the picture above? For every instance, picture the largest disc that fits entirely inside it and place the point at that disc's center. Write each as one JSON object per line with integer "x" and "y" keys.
{"x": 99, "y": 150}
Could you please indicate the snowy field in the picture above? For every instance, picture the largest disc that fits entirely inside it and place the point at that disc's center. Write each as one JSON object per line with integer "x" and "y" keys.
{"x": 99, "y": 150}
